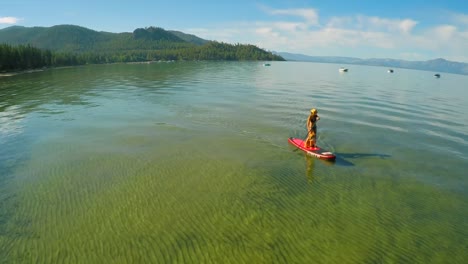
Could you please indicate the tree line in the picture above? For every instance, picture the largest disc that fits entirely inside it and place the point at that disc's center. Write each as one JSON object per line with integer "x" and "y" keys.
{"x": 25, "y": 57}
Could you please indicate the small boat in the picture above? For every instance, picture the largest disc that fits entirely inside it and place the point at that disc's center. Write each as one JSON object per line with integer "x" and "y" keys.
{"x": 343, "y": 69}
{"x": 390, "y": 70}
{"x": 437, "y": 75}
{"x": 266, "y": 64}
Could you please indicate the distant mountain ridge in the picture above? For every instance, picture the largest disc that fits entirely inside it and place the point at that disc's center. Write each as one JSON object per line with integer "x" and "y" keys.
{"x": 23, "y": 48}
{"x": 436, "y": 65}
{"x": 189, "y": 37}
{"x": 72, "y": 38}
{"x": 72, "y": 45}
{"x": 57, "y": 38}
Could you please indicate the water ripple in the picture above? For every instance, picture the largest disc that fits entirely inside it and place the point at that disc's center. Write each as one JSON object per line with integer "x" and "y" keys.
{"x": 189, "y": 162}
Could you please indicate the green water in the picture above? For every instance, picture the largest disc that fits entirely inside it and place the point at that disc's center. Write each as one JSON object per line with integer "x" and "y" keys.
{"x": 189, "y": 163}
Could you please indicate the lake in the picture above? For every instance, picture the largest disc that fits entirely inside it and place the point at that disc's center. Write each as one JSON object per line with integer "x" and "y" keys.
{"x": 188, "y": 162}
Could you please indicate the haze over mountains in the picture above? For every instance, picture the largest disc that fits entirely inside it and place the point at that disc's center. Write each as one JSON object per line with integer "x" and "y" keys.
{"x": 436, "y": 65}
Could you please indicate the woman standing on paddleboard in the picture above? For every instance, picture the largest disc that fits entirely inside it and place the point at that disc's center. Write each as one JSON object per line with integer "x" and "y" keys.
{"x": 312, "y": 128}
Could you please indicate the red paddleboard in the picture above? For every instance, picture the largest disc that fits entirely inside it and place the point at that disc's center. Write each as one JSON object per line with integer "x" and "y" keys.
{"x": 316, "y": 152}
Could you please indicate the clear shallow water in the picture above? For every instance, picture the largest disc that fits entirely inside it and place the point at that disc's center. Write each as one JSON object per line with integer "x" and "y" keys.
{"x": 189, "y": 162}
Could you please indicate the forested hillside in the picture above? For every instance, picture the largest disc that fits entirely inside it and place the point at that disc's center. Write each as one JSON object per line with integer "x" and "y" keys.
{"x": 27, "y": 48}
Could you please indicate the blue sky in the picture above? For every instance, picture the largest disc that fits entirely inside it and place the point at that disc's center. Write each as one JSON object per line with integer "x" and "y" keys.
{"x": 411, "y": 30}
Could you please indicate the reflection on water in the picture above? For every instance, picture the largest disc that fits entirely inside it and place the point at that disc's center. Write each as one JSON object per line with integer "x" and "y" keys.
{"x": 310, "y": 168}
{"x": 10, "y": 121}
{"x": 189, "y": 162}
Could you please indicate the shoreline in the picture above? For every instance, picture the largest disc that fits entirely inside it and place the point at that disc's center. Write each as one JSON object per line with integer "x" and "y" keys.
{"x": 13, "y": 73}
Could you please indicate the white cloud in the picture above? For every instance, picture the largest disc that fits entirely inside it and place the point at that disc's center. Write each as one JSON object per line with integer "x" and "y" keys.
{"x": 367, "y": 23}
{"x": 461, "y": 19}
{"x": 407, "y": 25}
{"x": 444, "y": 32}
{"x": 414, "y": 56}
{"x": 339, "y": 22}
{"x": 368, "y": 36}
{"x": 290, "y": 26}
{"x": 9, "y": 20}
{"x": 446, "y": 41}
{"x": 264, "y": 30}
{"x": 339, "y": 31}
{"x": 308, "y": 14}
